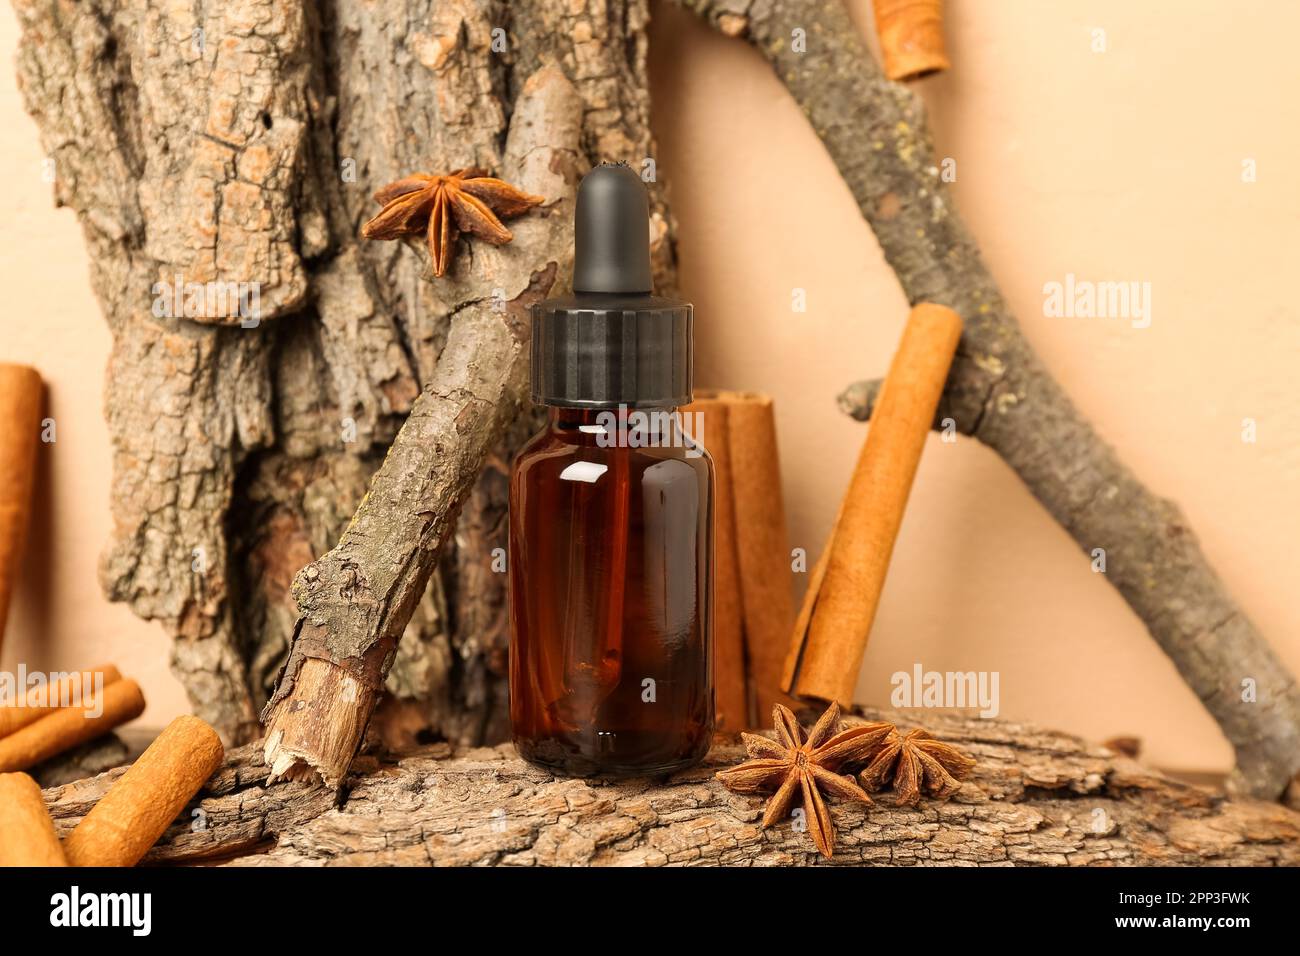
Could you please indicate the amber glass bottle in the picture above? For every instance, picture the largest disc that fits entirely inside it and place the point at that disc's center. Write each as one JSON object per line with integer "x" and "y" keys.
{"x": 611, "y": 517}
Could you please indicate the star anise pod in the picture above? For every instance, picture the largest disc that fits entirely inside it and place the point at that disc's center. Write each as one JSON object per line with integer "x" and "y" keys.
{"x": 916, "y": 762}
{"x": 798, "y": 767}
{"x": 442, "y": 207}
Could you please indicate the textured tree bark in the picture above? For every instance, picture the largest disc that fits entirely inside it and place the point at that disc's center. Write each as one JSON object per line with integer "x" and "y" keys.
{"x": 999, "y": 392}
{"x": 1036, "y": 797}
{"x": 237, "y": 144}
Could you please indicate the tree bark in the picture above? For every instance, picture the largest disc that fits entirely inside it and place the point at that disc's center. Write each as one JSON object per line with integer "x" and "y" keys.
{"x": 239, "y": 142}
{"x": 1036, "y": 797}
{"x": 999, "y": 391}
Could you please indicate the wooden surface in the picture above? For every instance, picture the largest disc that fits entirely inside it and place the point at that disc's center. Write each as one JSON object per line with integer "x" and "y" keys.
{"x": 1037, "y": 797}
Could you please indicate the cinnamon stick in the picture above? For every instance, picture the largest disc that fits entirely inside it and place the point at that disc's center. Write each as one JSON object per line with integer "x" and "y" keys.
{"x": 731, "y": 698}
{"x": 130, "y": 818}
{"x": 839, "y": 607}
{"x": 69, "y": 691}
{"x": 761, "y": 543}
{"x": 21, "y": 396}
{"x": 911, "y": 37}
{"x": 64, "y": 728}
{"x": 27, "y": 836}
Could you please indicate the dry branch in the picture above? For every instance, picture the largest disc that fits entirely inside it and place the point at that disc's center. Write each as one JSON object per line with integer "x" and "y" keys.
{"x": 999, "y": 392}
{"x": 1036, "y": 798}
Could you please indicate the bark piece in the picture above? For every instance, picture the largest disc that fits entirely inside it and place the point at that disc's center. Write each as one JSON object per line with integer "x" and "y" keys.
{"x": 85, "y": 760}
{"x": 999, "y": 392}
{"x": 223, "y": 210}
{"x": 1035, "y": 797}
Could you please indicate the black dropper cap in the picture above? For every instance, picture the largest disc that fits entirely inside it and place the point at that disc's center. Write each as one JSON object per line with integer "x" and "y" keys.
{"x": 612, "y": 342}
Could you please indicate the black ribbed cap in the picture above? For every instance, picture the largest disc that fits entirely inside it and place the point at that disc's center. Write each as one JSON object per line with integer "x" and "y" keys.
{"x": 591, "y": 351}
{"x": 612, "y": 343}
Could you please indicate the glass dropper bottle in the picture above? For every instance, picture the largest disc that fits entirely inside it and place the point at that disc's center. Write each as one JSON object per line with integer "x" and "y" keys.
{"x": 611, "y": 516}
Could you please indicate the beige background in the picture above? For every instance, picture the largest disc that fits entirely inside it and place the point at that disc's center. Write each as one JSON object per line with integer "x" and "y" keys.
{"x": 1123, "y": 165}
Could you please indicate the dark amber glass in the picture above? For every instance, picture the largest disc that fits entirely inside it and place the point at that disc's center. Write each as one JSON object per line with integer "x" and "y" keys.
{"x": 611, "y": 565}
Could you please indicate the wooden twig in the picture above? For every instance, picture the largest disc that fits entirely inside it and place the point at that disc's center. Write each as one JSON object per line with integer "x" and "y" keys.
{"x": 999, "y": 392}
{"x": 1036, "y": 797}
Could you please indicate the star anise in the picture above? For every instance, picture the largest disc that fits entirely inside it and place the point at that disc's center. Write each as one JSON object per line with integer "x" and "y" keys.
{"x": 798, "y": 767}
{"x": 916, "y": 762}
{"x": 442, "y": 207}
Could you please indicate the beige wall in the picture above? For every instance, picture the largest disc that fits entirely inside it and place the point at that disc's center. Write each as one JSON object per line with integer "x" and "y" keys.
{"x": 1122, "y": 165}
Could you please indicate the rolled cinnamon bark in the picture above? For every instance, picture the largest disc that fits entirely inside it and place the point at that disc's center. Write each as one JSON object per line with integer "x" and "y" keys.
{"x": 839, "y": 607}
{"x": 57, "y": 731}
{"x": 21, "y": 397}
{"x": 762, "y": 548}
{"x": 130, "y": 818}
{"x": 729, "y": 682}
{"x": 911, "y": 37}
{"x": 40, "y": 703}
{"x": 27, "y": 835}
